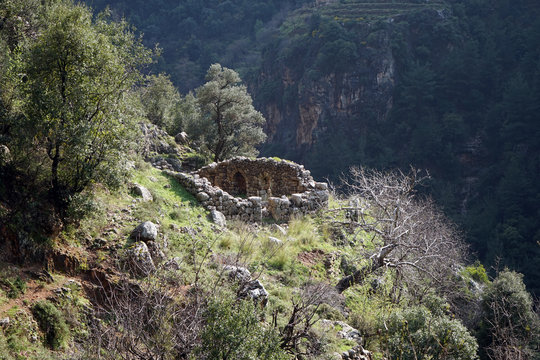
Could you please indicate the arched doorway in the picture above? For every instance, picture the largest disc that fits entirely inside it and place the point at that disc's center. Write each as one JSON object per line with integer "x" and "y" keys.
{"x": 239, "y": 182}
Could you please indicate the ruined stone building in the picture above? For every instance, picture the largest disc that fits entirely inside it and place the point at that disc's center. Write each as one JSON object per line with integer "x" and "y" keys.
{"x": 254, "y": 189}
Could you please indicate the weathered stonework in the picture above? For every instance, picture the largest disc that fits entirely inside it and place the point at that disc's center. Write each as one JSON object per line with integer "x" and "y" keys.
{"x": 253, "y": 189}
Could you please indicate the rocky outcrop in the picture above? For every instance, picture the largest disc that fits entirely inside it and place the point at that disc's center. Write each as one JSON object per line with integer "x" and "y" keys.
{"x": 159, "y": 148}
{"x": 300, "y": 194}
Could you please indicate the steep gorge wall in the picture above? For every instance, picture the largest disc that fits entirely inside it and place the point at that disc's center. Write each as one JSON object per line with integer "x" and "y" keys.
{"x": 329, "y": 110}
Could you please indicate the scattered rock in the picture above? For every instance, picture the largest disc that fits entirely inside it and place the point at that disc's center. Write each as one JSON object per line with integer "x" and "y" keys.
{"x": 155, "y": 251}
{"x": 172, "y": 264}
{"x": 146, "y": 231}
{"x": 347, "y": 332}
{"x": 4, "y": 321}
{"x": 274, "y": 241}
{"x": 98, "y": 243}
{"x": 256, "y": 291}
{"x": 218, "y": 218}
{"x": 152, "y": 179}
{"x": 141, "y": 191}
{"x": 278, "y": 229}
{"x": 139, "y": 260}
{"x": 181, "y": 138}
{"x": 237, "y": 273}
{"x": 73, "y": 284}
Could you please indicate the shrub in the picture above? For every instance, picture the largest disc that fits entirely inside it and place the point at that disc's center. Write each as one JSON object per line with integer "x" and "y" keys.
{"x": 16, "y": 287}
{"x": 52, "y": 323}
{"x": 233, "y": 331}
{"x": 510, "y": 323}
{"x": 416, "y": 331}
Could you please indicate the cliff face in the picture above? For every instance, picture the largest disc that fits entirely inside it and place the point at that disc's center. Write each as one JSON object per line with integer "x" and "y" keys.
{"x": 327, "y": 89}
{"x": 326, "y": 104}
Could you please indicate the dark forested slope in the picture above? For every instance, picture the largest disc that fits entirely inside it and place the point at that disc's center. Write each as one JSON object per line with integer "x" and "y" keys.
{"x": 451, "y": 86}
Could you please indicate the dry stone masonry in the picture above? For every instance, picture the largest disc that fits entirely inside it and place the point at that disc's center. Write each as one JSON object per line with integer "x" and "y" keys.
{"x": 254, "y": 189}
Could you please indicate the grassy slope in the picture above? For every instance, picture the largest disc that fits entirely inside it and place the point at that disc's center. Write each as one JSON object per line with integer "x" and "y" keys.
{"x": 284, "y": 270}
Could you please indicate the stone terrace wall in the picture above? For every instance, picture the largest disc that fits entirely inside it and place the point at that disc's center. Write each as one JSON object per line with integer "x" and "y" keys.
{"x": 306, "y": 195}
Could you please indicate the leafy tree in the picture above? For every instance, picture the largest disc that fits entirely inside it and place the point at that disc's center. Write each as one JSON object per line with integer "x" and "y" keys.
{"x": 229, "y": 123}
{"x": 160, "y": 100}
{"x": 77, "y": 105}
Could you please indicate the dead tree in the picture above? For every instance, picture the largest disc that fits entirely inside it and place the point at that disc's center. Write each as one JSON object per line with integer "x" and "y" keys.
{"x": 139, "y": 321}
{"x": 411, "y": 234}
{"x": 304, "y": 315}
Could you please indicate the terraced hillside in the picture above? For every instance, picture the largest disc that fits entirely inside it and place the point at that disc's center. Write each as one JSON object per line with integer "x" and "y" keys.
{"x": 362, "y": 10}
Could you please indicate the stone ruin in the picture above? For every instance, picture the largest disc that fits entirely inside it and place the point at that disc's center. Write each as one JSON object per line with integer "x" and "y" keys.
{"x": 255, "y": 189}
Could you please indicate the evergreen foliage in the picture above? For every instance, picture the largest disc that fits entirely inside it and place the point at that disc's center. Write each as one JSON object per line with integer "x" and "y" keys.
{"x": 511, "y": 326}
{"x": 229, "y": 124}
{"x": 233, "y": 331}
{"x": 418, "y": 333}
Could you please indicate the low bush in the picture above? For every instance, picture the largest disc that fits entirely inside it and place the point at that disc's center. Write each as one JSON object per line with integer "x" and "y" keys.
{"x": 51, "y": 322}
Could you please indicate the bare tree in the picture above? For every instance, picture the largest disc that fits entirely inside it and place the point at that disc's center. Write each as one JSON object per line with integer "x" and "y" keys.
{"x": 145, "y": 320}
{"x": 411, "y": 234}
{"x": 304, "y": 315}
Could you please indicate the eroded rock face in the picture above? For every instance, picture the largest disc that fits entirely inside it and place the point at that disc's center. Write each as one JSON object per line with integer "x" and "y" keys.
{"x": 245, "y": 189}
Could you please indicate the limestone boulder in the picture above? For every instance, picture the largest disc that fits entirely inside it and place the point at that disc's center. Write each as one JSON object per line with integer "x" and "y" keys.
{"x": 254, "y": 290}
{"x": 237, "y": 273}
{"x": 218, "y": 218}
{"x": 140, "y": 261}
{"x": 146, "y": 231}
{"x": 181, "y": 138}
{"x": 144, "y": 193}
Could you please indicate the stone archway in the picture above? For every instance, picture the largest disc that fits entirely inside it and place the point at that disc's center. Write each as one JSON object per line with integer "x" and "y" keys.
{"x": 239, "y": 183}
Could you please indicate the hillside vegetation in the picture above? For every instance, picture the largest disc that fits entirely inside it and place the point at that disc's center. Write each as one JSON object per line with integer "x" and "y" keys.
{"x": 450, "y": 86}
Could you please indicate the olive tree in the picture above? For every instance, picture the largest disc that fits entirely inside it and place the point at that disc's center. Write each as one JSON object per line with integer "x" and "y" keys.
{"x": 78, "y": 107}
{"x": 229, "y": 124}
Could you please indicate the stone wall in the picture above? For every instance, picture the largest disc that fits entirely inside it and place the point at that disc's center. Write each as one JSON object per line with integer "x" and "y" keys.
{"x": 251, "y": 190}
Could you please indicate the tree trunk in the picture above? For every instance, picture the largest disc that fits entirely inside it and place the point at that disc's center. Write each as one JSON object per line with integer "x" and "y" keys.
{"x": 56, "y": 192}
{"x": 358, "y": 276}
